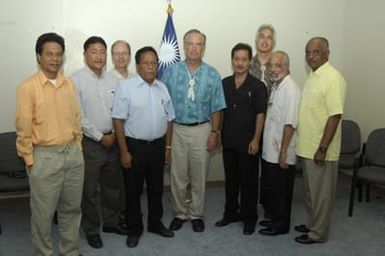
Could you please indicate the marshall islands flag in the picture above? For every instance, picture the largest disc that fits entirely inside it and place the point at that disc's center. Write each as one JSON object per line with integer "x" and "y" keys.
{"x": 169, "y": 50}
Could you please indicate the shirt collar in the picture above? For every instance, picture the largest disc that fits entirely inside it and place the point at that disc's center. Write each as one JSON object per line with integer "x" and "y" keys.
{"x": 93, "y": 73}
{"x": 44, "y": 80}
{"x": 141, "y": 82}
{"x": 196, "y": 71}
{"x": 282, "y": 84}
{"x": 322, "y": 69}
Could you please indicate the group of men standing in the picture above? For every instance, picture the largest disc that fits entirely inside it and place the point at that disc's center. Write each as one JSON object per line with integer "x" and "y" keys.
{"x": 127, "y": 128}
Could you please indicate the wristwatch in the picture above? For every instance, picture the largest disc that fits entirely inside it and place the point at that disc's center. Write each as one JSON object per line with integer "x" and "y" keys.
{"x": 323, "y": 148}
{"x": 216, "y": 131}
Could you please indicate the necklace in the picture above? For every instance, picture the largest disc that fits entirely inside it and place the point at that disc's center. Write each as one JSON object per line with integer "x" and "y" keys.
{"x": 191, "y": 92}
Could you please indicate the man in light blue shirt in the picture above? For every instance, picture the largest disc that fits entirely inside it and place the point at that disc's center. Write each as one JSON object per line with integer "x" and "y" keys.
{"x": 143, "y": 115}
{"x": 197, "y": 95}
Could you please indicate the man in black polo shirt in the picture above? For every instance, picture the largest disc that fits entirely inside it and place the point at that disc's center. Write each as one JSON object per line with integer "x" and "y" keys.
{"x": 241, "y": 131}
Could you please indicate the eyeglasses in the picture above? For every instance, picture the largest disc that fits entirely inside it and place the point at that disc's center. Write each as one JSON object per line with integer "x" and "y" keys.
{"x": 149, "y": 63}
{"x": 120, "y": 53}
{"x": 53, "y": 54}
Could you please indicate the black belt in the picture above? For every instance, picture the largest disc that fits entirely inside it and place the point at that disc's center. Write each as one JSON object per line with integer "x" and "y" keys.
{"x": 193, "y": 124}
{"x": 107, "y": 133}
{"x": 146, "y": 142}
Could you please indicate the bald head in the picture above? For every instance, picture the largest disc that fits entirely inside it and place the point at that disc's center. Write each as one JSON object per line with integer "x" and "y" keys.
{"x": 317, "y": 52}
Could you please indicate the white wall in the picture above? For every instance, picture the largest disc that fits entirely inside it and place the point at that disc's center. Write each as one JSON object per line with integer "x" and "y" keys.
{"x": 363, "y": 63}
{"x": 141, "y": 22}
{"x": 225, "y": 22}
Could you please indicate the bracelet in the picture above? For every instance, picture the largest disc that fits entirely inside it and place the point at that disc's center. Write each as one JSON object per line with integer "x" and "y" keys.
{"x": 168, "y": 147}
{"x": 216, "y": 131}
{"x": 323, "y": 148}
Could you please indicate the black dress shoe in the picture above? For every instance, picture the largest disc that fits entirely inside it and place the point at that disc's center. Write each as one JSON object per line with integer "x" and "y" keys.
{"x": 162, "y": 231}
{"x": 248, "y": 230}
{"x": 122, "y": 220}
{"x": 94, "y": 241}
{"x": 267, "y": 215}
{"x": 226, "y": 221}
{"x": 302, "y": 228}
{"x": 116, "y": 230}
{"x": 272, "y": 232}
{"x": 132, "y": 241}
{"x": 265, "y": 223}
{"x": 198, "y": 225}
{"x": 176, "y": 224}
{"x": 305, "y": 239}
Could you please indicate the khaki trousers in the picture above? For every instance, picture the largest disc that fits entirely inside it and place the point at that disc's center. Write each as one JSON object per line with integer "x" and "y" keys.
{"x": 320, "y": 184}
{"x": 190, "y": 162}
{"x": 56, "y": 182}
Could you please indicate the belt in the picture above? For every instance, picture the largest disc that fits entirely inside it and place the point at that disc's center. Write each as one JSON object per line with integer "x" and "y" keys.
{"x": 193, "y": 124}
{"x": 107, "y": 133}
{"x": 146, "y": 142}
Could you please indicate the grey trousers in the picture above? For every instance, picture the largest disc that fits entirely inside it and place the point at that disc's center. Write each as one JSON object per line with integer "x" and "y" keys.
{"x": 102, "y": 179}
{"x": 320, "y": 184}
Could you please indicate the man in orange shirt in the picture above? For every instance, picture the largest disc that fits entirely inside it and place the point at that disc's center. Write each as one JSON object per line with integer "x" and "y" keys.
{"x": 49, "y": 140}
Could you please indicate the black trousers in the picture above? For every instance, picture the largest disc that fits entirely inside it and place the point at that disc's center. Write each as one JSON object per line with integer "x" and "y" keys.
{"x": 264, "y": 189}
{"x": 241, "y": 180}
{"x": 281, "y": 182}
{"x": 147, "y": 165}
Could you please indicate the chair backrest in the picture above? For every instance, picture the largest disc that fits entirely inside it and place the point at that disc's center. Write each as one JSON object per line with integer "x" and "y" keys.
{"x": 12, "y": 168}
{"x": 350, "y": 137}
{"x": 375, "y": 148}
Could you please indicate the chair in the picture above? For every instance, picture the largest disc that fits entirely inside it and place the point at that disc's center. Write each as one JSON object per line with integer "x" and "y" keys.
{"x": 372, "y": 170}
{"x": 12, "y": 168}
{"x": 350, "y": 150}
{"x": 350, "y": 144}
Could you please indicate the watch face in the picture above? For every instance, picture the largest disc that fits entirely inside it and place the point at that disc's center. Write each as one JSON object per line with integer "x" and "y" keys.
{"x": 323, "y": 149}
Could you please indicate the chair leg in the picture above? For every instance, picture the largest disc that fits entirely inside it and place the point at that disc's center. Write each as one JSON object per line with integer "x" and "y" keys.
{"x": 359, "y": 186}
{"x": 367, "y": 192}
{"x": 55, "y": 221}
{"x": 352, "y": 192}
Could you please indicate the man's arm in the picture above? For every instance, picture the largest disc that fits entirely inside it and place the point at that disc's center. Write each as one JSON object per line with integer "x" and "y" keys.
{"x": 327, "y": 137}
{"x": 254, "y": 143}
{"x": 125, "y": 156}
{"x": 89, "y": 129}
{"x": 23, "y": 123}
{"x": 167, "y": 160}
{"x": 212, "y": 140}
{"x": 288, "y": 132}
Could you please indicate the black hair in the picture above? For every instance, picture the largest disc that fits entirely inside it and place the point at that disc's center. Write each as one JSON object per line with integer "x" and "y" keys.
{"x": 143, "y": 50}
{"x": 94, "y": 40}
{"x": 242, "y": 46}
{"x": 48, "y": 37}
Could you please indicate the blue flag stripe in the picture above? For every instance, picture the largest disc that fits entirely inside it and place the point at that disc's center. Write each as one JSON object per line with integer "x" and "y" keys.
{"x": 169, "y": 49}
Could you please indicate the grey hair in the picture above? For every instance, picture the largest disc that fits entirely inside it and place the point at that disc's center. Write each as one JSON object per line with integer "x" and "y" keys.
{"x": 323, "y": 40}
{"x": 121, "y": 41}
{"x": 266, "y": 26}
{"x": 286, "y": 60}
{"x": 194, "y": 30}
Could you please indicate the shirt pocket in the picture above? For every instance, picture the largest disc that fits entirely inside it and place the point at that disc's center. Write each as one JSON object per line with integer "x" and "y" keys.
{"x": 39, "y": 112}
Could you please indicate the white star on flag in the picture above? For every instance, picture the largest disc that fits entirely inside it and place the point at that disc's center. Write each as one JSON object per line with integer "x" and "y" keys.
{"x": 169, "y": 49}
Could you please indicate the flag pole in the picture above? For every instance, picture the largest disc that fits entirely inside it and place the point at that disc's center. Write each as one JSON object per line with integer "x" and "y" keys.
{"x": 169, "y": 8}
